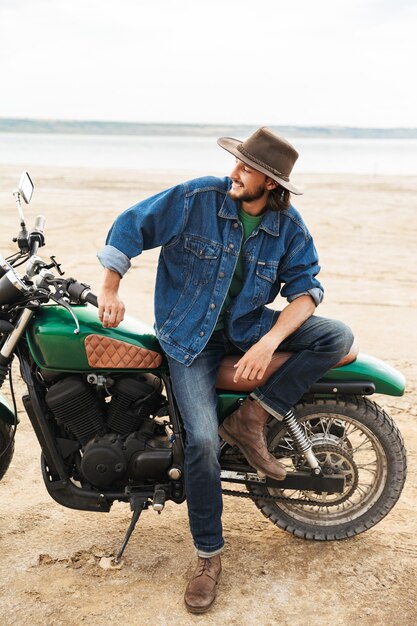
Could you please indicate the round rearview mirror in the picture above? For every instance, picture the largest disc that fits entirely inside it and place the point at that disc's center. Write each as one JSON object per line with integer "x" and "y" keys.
{"x": 26, "y": 187}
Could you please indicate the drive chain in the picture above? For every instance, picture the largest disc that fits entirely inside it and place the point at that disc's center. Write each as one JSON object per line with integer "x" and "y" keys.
{"x": 269, "y": 498}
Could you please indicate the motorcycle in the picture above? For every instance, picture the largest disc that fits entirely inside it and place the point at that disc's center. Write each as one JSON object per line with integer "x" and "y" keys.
{"x": 101, "y": 405}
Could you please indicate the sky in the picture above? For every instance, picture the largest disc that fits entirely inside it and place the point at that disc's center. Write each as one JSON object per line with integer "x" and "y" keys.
{"x": 299, "y": 62}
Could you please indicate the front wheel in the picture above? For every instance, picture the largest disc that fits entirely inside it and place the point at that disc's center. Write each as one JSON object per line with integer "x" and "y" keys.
{"x": 350, "y": 436}
{"x": 6, "y": 447}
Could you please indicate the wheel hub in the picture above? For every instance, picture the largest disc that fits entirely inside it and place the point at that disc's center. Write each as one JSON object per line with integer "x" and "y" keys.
{"x": 334, "y": 460}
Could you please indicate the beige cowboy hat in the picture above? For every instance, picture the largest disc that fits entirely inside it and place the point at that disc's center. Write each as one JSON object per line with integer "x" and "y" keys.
{"x": 266, "y": 152}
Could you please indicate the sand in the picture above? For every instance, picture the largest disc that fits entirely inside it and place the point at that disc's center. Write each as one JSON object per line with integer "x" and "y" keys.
{"x": 365, "y": 228}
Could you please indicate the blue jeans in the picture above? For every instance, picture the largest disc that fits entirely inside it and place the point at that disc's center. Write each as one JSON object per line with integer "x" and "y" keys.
{"x": 317, "y": 345}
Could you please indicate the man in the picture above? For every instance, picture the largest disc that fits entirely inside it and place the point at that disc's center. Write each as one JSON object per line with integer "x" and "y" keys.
{"x": 229, "y": 247}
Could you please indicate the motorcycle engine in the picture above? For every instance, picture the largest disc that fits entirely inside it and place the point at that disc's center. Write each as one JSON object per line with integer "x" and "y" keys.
{"x": 112, "y": 419}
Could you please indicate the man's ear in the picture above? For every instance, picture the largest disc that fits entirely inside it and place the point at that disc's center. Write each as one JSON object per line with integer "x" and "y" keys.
{"x": 270, "y": 184}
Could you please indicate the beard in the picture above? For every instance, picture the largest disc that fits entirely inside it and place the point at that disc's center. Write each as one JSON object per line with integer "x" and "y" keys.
{"x": 247, "y": 196}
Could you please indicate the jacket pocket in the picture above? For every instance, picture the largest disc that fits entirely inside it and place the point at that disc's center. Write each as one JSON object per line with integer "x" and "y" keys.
{"x": 200, "y": 259}
{"x": 265, "y": 278}
{"x": 266, "y": 271}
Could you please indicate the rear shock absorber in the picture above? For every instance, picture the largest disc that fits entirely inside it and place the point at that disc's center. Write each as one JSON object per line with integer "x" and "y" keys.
{"x": 301, "y": 441}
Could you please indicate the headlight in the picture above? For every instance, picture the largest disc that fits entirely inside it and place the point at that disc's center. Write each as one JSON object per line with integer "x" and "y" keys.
{"x": 4, "y": 266}
{"x": 11, "y": 288}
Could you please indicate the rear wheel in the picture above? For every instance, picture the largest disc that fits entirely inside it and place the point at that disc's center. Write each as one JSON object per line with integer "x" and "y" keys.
{"x": 353, "y": 437}
{"x": 7, "y": 444}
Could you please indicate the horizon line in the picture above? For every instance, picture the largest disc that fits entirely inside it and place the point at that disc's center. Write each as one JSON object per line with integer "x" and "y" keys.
{"x": 38, "y": 126}
{"x": 200, "y": 124}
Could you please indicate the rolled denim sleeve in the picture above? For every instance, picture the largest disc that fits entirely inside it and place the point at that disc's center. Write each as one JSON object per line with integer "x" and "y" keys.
{"x": 299, "y": 270}
{"x": 154, "y": 222}
{"x": 112, "y": 259}
{"x": 317, "y": 294}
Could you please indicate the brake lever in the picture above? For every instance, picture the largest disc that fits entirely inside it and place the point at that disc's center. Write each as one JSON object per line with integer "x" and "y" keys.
{"x": 63, "y": 302}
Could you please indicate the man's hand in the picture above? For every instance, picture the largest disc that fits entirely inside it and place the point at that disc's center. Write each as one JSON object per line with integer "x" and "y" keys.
{"x": 111, "y": 309}
{"x": 253, "y": 364}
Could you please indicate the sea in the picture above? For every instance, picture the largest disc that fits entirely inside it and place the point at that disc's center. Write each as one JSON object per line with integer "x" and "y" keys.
{"x": 201, "y": 155}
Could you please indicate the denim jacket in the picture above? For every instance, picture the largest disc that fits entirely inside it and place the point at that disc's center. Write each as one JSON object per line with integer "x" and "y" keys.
{"x": 196, "y": 224}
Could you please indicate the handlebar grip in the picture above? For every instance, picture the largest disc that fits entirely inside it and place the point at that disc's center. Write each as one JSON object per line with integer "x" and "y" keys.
{"x": 36, "y": 236}
{"x": 40, "y": 224}
{"x": 91, "y": 299}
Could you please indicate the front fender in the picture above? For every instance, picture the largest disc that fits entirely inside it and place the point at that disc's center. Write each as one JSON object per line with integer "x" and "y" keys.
{"x": 6, "y": 412}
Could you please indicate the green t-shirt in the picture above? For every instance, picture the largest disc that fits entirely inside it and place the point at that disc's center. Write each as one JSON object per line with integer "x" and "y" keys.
{"x": 249, "y": 223}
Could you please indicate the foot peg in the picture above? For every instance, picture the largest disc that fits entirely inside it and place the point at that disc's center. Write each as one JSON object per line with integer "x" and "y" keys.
{"x": 159, "y": 498}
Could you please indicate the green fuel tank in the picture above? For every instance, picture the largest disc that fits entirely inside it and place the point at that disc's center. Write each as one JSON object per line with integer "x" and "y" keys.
{"x": 56, "y": 347}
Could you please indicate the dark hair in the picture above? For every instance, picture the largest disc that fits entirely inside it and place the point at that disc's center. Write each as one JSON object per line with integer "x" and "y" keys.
{"x": 278, "y": 199}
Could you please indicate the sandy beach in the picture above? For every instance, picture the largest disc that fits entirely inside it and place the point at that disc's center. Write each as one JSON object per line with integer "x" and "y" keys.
{"x": 365, "y": 229}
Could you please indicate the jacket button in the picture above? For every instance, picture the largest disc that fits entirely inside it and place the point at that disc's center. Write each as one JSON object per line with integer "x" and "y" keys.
{"x": 202, "y": 333}
{"x": 186, "y": 357}
{"x": 221, "y": 275}
{"x": 235, "y": 225}
{"x": 212, "y": 305}
{"x": 231, "y": 246}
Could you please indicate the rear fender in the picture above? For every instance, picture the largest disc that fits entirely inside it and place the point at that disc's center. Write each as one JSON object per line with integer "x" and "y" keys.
{"x": 6, "y": 412}
{"x": 386, "y": 379}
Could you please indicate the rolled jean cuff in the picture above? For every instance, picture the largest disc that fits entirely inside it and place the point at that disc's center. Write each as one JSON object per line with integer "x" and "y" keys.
{"x": 275, "y": 410}
{"x": 208, "y": 555}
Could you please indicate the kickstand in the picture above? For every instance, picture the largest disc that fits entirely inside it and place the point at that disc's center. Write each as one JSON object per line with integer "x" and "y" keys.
{"x": 137, "y": 505}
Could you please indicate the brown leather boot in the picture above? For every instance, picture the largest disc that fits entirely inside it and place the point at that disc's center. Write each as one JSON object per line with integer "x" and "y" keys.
{"x": 201, "y": 590}
{"x": 245, "y": 428}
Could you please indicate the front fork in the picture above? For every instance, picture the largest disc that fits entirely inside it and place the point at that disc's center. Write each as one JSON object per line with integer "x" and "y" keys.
{"x": 6, "y": 351}
{"x": 302, "y": 443}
